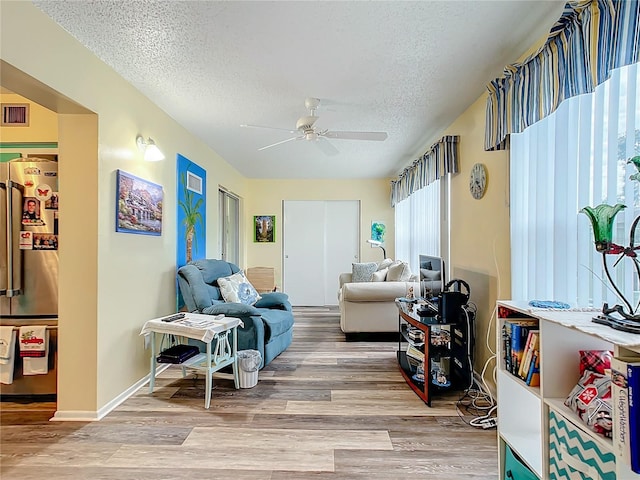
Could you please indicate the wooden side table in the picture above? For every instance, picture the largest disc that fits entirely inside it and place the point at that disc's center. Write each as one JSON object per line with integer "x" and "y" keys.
{"x": 205, "y": 328}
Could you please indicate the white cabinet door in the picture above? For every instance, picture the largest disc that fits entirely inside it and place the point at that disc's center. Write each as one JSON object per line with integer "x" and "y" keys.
{"x": 320, "y": 241}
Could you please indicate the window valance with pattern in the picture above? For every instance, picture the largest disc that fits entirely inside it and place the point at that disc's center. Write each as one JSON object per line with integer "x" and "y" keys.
{"x": 442, "y": 158}
{"x": 591, "y": 38}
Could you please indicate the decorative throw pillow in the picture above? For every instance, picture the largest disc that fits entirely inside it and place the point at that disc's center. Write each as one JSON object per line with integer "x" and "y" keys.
{"x": 430, "y": 274}
{"x": 380, "y": 275}
{"x": 399, "y": 272}
{"x": 362, "y": 272}
{"x": 384, "y": 264}
{"x": 237, "y": 289}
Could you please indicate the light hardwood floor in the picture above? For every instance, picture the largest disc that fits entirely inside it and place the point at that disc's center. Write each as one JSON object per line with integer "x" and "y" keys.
{"x": 324, "y": 409}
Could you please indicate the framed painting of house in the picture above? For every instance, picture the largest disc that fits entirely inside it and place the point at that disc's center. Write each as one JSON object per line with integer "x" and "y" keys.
{"x": 138, "y": 205}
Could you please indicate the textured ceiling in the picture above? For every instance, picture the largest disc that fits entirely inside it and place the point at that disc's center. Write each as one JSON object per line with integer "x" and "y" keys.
{"x": 406, "y": 68}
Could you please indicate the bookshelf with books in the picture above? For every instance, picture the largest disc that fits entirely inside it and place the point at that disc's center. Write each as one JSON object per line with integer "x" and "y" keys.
{"x": 533, "y": 419}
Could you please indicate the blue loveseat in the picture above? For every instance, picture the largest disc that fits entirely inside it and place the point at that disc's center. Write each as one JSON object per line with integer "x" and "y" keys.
{"x": 268, "y": 324}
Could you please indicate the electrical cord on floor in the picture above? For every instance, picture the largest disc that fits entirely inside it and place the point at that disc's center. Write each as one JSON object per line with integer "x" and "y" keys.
{"x": 477, "y": 400}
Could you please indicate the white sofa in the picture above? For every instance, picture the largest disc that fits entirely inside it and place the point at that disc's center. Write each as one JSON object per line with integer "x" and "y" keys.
{"x": 369, "y": 306}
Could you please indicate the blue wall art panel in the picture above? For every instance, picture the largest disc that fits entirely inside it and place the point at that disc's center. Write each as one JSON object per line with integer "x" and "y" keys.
{"x": 192, "y": 204}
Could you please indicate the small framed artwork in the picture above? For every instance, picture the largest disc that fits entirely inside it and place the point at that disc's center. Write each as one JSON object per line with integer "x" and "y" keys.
{"x": 378, "y": 229}
{"x": 138, "y": 205}
{"x": 264, "y": 228}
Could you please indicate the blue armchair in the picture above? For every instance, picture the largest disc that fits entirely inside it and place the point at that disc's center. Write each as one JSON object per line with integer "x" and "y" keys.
{"x": 268, "y": 324}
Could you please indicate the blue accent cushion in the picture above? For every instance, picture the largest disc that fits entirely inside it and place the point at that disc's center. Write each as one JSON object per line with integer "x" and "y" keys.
{"x": 274, "y": 300}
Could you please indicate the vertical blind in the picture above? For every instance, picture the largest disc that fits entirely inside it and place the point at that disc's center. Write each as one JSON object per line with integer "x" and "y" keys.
{"x": 592, "y": 38}
{"x": 573, "y": 158}
{"x": 416, "y": 198}
{"x": 417, "y": 225}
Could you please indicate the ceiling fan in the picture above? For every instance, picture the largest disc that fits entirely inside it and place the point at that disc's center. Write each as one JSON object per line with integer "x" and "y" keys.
{"x": 307, "y": 131}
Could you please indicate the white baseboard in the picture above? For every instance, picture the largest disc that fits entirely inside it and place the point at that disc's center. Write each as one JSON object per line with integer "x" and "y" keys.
{"x": 91, "y": 416}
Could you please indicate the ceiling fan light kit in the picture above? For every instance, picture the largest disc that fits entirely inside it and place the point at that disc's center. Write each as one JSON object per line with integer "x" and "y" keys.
{"x": 305, "y": 126}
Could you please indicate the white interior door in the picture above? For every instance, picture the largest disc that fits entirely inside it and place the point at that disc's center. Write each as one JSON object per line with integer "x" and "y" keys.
{"x": 342, "y": 220}
{"x": 320, "y": 241}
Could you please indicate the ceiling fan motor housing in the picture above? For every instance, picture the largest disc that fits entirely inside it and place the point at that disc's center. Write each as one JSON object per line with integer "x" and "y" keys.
{"x": 306, "y": 123}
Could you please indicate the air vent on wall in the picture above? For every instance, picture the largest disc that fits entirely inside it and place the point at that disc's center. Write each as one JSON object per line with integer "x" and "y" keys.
{"x": 194, "y": 183}
{"x": 15, "y": 114}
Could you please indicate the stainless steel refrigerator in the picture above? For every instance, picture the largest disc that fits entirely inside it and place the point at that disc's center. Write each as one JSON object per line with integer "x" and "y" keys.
{"x": 29, "y": 201}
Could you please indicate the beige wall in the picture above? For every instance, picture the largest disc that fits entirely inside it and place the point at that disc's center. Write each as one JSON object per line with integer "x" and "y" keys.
{"x": 267, "y": 196}
{"x": 43, "y": 123}
{"x": 110, "y": 283}
{"x": 480, "y": 246}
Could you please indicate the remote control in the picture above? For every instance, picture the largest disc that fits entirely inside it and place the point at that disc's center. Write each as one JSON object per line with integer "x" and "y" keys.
{"x": 173, "y": 318}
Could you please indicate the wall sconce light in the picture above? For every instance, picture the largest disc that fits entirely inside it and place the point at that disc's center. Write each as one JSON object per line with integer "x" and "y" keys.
{"x": 378, "y": 244}
{"x": 151, "y": 151}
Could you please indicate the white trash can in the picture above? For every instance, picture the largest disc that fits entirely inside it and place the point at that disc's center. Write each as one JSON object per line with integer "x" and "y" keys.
{"x": 248, "y": 367}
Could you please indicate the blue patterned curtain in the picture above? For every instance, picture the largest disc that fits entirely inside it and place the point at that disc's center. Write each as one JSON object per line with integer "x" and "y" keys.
{"x": 591, "y": 38}
{"x": 442, "y": 158}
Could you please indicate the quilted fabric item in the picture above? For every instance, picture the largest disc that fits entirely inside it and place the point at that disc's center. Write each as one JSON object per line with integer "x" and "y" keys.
{"x": 363, "y": 272}
{"x": 591, "y": 400}
{"x": 237, "y": 289}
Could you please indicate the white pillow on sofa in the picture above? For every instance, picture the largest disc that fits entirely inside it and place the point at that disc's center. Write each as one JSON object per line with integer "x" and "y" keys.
{"x": 237, "y": 289}
{"x": 399, "y": 272}
{"x": 386, "y": 263}
{"x": 380, "y": 275}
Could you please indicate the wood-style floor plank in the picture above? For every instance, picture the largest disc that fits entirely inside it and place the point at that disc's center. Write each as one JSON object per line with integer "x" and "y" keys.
{"x": 325, "y": 409}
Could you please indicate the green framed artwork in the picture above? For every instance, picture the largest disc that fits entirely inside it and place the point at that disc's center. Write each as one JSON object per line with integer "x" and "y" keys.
{"x": 264, "y": 228}
{"x": 378, "y": 229}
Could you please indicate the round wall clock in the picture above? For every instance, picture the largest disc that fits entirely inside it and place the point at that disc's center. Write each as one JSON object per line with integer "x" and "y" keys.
{"x": 478, "y": 180}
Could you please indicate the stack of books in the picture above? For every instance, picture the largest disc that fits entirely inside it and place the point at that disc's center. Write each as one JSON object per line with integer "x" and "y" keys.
{"x": 625, "y": 396}
{"x": 521, "y": 349}
{"x": 416, "y": 335}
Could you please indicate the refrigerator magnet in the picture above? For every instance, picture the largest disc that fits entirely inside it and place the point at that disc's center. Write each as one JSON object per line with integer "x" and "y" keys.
{"x": 26, "y": 240}
{"x": 43, "y": 192}
{"x": 31, "y": 212}
{"x": 52, "y": 202}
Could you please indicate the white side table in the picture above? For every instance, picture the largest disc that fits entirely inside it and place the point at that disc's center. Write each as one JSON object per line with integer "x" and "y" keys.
{"x": 205, "y": 328}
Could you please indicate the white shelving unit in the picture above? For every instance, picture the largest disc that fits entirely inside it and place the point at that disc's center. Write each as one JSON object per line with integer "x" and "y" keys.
{"x": 523, "y": 411}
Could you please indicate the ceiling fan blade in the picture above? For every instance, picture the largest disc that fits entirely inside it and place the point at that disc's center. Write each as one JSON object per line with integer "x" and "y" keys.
{"x": 280, "y": 143}
{"x": 245, "y": 125}
{"x": 377, "y": 136}
{"x": 326, "y": 146}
